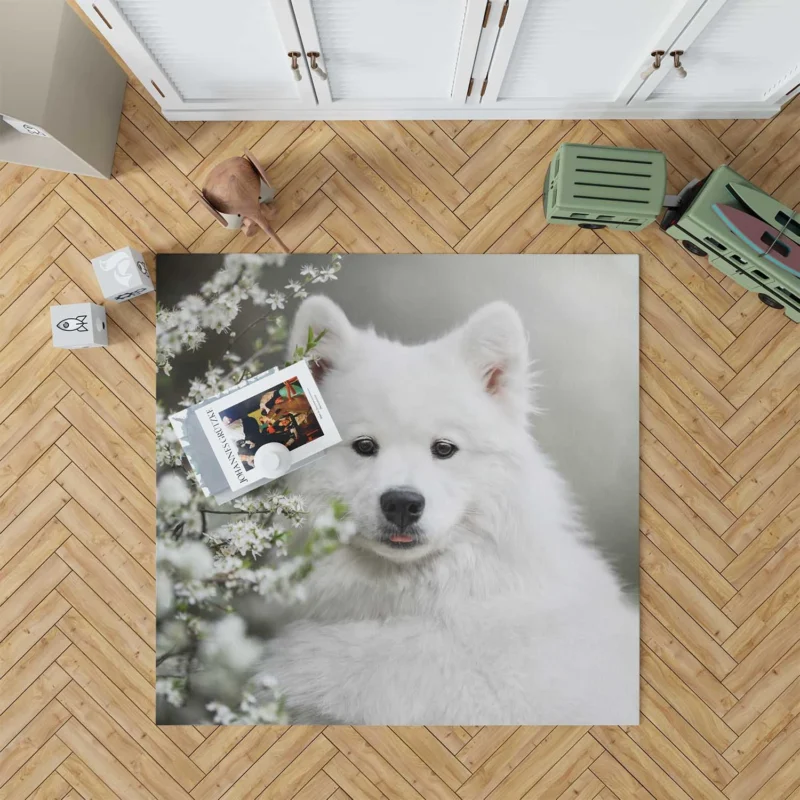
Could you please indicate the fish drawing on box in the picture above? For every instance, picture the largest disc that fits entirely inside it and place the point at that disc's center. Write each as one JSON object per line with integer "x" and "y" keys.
{"x": 76, "y": 324}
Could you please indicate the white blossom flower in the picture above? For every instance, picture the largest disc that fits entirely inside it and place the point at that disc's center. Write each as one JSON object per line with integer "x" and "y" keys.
{"x": 326, "y": 274}
{"x": 187, "y": 560}
{"x": 173, "y": 490}
{"x": 310, "y": 270}
{"x": 173, "y": 690}
{"x": 228, "y": 645}
{"x": 164, "y": 593}
{"x": 276, "y": 300}
{"x": 246, "y": 536}
{"x": 168, "y": 451}
{"x": 194, "y": 592}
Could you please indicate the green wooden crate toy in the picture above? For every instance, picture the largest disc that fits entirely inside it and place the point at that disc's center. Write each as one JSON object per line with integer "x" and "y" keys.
{"x": 605, "y": 187}
{"x": 745, "y": 234}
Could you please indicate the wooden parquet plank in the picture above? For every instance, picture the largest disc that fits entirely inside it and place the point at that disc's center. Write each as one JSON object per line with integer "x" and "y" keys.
{"x": 240, "y": 754}
{"x": 691, "y": 688}
{"x": 681, "y": 445}
{"x": 81, "y": 452}
{"x": 54, "y": 787}
{"x": 144, "y": 153}
{"x": 618, "y": 781}
{"x": 426, "y": 168}
{"x": 676, "y": 584}
{"x": 720, "y": 510}
{"x": 30, "y": 267}
{"x": 29, "y": 522}
{"x": 108, "y": 702}
{"x": 764, "y": 693}
{"x": 37, "y": 423}
{"x": 497, "y": 184}
{"x": 110, "y": 517}
{"x": 147, "y": 119}
{"x": 126, "y": 460}
{"x": 503, "y": 761}
{"x": 125, "y": 567}
{"x": 687, "y": 740}
{"x": 394, "y": 190}
{"x": 31, "y": 666}
{"x": 30, "y": 630}
{"x": 435, "y": 755}
{"x": 43, "y": 544}
{"x": 31, "y": 702}
{"x": 152, "y": 197}
{"x": 437, "y": 143}
{"x": 84, "y": 782}
{"x": 100, "y": 761}
{"x": 284, "y": 160}
{"x": 209, "y": 135}
{"x": 683, "y": 411}
{"x": 300, "y": 770}
{"x": 30, "y": 231}
{"x": 31, "y": 738}
{"x": 91, "y": 606}
{"x": 36, "y": 770}
{"x": 12, "y": 176}
{"x": 127, "y": 750}
{"x": 347, "y": 777}
{"x": 379, "y": 230}
{"x": 32, "y": 192}
{"x": 106, "y": 658}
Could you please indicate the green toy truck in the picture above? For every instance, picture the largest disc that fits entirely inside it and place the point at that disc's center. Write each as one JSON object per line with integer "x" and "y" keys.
{"x": 694, "y": 223}
{"x": 598, "y": 187}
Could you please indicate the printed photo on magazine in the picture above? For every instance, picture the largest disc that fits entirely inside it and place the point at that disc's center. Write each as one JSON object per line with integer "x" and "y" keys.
{"x": 285, "y": 407}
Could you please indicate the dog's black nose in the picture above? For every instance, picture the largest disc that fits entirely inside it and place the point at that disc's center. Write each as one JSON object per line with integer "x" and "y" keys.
{"x": 402, "y": 507}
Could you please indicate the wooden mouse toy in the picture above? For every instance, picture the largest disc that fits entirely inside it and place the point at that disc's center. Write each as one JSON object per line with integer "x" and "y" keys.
{"x": 235, "y": 192}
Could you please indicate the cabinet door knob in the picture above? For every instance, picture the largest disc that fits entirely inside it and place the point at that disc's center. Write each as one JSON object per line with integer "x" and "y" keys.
{"x": 676, "y": 58}
{"x": 296, "y": 74}
{"x": 657, "y": 56}
{"x": 315, "y": 68}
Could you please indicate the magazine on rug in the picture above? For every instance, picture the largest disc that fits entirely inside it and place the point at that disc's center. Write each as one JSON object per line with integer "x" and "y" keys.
{"x": 226, "y": 436}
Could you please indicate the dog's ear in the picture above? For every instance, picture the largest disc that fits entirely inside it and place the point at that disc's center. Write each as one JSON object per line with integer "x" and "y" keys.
{"x": 495, "y": 346}
{"x": 318, "y": 317}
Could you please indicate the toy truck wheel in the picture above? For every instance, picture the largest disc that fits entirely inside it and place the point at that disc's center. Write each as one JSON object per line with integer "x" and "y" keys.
{"x": 592, "y": 226}
{"x": 694, "y": 249}
{"x": 769, "y": 301}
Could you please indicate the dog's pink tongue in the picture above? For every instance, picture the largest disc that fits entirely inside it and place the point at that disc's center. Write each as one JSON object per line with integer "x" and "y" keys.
{"x": 401, "y": 537}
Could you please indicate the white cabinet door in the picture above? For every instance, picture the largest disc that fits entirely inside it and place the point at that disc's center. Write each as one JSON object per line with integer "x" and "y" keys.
{"x": 563, "y": 54}
{"x": 208, "y": 54}
{"x": 414, "y": 54}
{"x": 745, "y": 51}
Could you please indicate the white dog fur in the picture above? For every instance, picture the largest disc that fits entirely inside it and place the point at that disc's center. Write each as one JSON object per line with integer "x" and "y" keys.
{"x": 504, "y": 613}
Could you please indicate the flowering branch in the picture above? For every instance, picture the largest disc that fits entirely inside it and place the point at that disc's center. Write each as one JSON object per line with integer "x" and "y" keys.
{"x": 210, "y": 558}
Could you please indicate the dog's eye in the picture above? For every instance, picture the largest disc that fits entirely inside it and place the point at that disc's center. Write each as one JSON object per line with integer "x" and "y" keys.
{"x": 365, "y": 446}
{"x": 441, "y": 448}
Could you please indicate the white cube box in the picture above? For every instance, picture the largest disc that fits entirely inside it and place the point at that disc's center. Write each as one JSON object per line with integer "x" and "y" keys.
{"x": 79, "y": 325}
{"x": 122, "y": 274}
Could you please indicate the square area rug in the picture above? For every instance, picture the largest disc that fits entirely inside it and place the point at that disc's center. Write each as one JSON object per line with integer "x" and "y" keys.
{"x": 466, "y": 554}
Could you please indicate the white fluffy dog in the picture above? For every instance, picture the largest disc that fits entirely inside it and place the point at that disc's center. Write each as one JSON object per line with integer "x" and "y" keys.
{"x": 469, "y": 593}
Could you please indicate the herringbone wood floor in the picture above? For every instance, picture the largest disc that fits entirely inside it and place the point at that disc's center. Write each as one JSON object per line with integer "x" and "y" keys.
{"x": 720, "y": 462}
